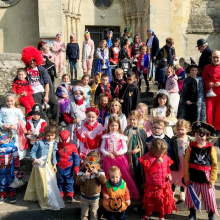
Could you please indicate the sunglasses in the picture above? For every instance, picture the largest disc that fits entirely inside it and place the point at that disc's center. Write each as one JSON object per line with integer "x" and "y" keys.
{"x": 33, "y": 60}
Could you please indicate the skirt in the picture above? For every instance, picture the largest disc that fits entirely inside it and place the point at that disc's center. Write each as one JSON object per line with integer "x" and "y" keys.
{"x": 174, "y": 99}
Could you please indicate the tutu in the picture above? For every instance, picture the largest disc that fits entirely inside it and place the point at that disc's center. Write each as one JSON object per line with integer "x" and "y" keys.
{"x": 122, "y": 163}
{"x": 174, "y": 101}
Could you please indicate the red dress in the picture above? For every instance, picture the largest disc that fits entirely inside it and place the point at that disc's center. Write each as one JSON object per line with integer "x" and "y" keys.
{"x": 158, "y": 196}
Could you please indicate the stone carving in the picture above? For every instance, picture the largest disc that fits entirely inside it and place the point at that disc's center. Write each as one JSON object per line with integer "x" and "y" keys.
{"x": 8, "y": 3}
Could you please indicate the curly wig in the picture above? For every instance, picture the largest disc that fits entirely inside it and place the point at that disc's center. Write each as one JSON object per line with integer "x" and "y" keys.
{"x": 29, "y": 53}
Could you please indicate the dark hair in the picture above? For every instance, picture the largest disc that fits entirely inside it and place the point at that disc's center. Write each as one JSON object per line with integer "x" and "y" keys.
{"x": 117, "y": 40}
{"x": 202, "y": 131}
{"x": 85, "y": 75}
{"x": 104, "y": 75}
{"x": 19, "y": 70}
{"x": 4, "y": 130}
{"x": 156, "y": 103}
{"x": 137, "y": 35}
{"x": 125, "y": 41}
{"x": 50, "y": 129}
{"x": 131, "y": 74}
{"x": 101, "y": 96}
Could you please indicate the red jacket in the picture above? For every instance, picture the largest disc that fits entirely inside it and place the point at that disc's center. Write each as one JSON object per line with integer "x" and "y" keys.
{"x": 211, "y": 73}
{"x": 20, "y": 86}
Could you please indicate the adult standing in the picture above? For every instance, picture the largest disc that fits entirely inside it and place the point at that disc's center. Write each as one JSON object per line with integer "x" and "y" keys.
{"x": 40, "y": 80}
{"x": 167, "y": 51}
{"x": 58, "y": 49}
{"x": 206, "y": 54}
{"x": 211, "y": 78}
{"x": 126, "y": 35}
{"x": 72, "y": 55}
{"x": 87, "y": 53}
{"x": 153, "y": 43}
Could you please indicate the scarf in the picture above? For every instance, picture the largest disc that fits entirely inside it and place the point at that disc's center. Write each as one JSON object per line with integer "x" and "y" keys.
{"x": 158, "y": 136}
{"x": 169, "y": 55}
{"x": 91, "y": 127}
{"x": 79, "y": 102}
{"x": 115, "y": 184}
{"x": 107, "y": 91}
{"x": 150, "y": 41}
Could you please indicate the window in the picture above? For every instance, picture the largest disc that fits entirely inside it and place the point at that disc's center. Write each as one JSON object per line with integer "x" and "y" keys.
{"x": 102, "y": 4}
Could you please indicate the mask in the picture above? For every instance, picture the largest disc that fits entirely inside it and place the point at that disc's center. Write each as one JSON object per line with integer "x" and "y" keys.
{"x": 78, "y": 97}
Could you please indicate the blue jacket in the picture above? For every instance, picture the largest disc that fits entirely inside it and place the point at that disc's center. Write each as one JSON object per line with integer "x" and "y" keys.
{"x": 72, "y": 51}
{"x": 160, "y": 75}
{"x": 167, "y": 139}
{"x": 41, "y": 148}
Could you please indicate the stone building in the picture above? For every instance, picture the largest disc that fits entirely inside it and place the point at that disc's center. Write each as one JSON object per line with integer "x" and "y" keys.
{"x": 23, "y": 22}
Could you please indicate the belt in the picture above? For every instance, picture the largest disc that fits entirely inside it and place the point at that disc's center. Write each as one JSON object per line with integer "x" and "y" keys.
{"x": 89, "y": 198}
{"x": 5, "y": 166}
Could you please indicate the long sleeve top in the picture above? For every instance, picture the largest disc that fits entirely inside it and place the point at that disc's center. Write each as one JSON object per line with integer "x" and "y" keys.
{"x": 72, "y": 51}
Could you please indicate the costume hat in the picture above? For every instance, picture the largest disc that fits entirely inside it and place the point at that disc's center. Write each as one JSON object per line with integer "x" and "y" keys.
{"x": 201, "y": 124}
{"x": 163, "y": 91}
{"x": 3, "y": 136}
{"x": 193, "y": 65}
{"x": 201, "y": 42}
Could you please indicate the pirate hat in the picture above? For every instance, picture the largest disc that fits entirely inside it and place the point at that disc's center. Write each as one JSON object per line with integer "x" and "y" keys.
{"x": 201, "y": 124}
{"x": 38, "y": 110}
{"x": 193, "y": 65}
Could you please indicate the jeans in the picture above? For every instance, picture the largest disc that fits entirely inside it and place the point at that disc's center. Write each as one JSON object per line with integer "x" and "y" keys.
{"x": 116, "y": 215}
{"x": 73, "y": 64}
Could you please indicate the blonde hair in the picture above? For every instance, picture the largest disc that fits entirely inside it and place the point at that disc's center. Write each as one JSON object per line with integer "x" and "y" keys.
{"x": 119, "y": 71}
{"x": 115, "y": 101}
{"x": 13, "y": 95}
{"x": 158, "y": 146}
{"x": 177, "y": 66}
{"x": 145, "y": 107}
{"x": 147, "y": 48}
{"x": 114, "y": 169}
{"x": 136, "y": 114}
{"x": 159, "y": 122}
{"x": 114, "y": 119}
{"x": 182, "y": 123}
{"x": 101, "y": 42}
{"x": 45, "y": 47}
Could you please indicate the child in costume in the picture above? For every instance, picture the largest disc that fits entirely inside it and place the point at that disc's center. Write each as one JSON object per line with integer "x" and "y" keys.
{"x": 179, "y": 143}
{"x": 87, "y": 53}
{"x": 102, "y": 63}
{"x": 64, "y": 93}
{"x": 116, "y": 196}
{"x": 22, "y": 88}
{"x": 12, "y": 117}
{"x": 158, "y": 131}
{"x": 128, "y": 48}
{"x": 42, "y": 185}
{"x": 200, "y": 170}
{"x": 164, "y": 112}
{"x": 104, "y": 87}
{"x": 158, "y": 196}
{"x": 160, "y": 75}
{"x": 87, "y": 88}
{"x": 118, "y": 82}
{"x": 115, "y": 110}
{"x": 172, "y": 88}
{"x": 109, "y": 33}
{"x": 97, "y": 80}
{"x": 144, "y": 121}
{"x": 181, "y": 74}
{"x": 136, "y": 147}
{"x": 9, "y": 165}
{"x": 75, "y": 111}
{"x": 129, "y": 95}
{"x": 103, "y": 108}
{"x": 90, "y": 179}
{"x": 90, "y": 132}
{"x": 67, "y": 165}
{"x": 36, "y": 122}
{"x": 143, "y": 65}
{"x": 114, "y": 149}
{"x": 192, "y": 105}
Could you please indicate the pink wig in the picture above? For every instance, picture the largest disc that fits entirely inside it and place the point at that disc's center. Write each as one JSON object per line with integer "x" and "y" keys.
{"x": 29, "y": 53}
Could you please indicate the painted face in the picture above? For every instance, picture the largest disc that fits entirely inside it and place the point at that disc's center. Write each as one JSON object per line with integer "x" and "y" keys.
{"x": 193, "y": 72}
{"x": 50, "y": 137}
{"x": 162, "y": 101}
{"x": 91, "y": 117}
{"x": 105, "y": 80}
{"x": 158, "y": 129}
{"x": 133, "y": 121}
{"x": 113, "y": 127}
{"x": 10, "y": 101}
{"x": 66, "y": 79}
{"x": 115, "y": 177}
{"x": 130, "y": 80}
{"x": 181, "y": 131}
{"x": 22, "y": 75}
{"x": 200, "y": 138}
{"x": 115, "y": 107}
{"x": 104, "y": 101}
{"x": 85, "y": 81}
{"x": 36, "y": 117}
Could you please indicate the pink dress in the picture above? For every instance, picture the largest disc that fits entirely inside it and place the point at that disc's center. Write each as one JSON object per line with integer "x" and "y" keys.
{"x": 115, "y": 142}
{"x": 178, "y": 175}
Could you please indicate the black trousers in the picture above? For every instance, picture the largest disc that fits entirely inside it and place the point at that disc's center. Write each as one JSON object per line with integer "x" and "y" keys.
{"x": 54, "y": 105}
{"x": 116, "y": 215}
{"x": 146, "y": 81}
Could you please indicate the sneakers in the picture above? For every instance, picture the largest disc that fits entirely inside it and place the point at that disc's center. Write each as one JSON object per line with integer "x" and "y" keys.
{"x": 45, "y": 106}
{"x": 182, "y": 196}
{"x": 70, "y": 199}
{"x": 13, "y": 199}
{"x": 211, "y": 218}
{"x": 2, "y": 199}
{"x": 191, "y": 217}
{"x": 63, "y": 124}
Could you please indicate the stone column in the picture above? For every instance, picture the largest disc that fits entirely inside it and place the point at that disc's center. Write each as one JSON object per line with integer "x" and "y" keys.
{"x": 139, "y": 25}
{"x": 68, "y": 27}
{"x": 128, "y": 20}
{"x": 73, "y": 25}
{"x": 133, "y": 19}
{"x": 79, "y": 40}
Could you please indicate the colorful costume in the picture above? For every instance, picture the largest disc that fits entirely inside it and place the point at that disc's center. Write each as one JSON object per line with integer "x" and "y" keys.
{"x": 146, "y": 125}
{"x": 9, "y": 162}
{"x": 11, "y": 116}
{"x": 89, "y": 137}
{"x": 113, "y": 55}
{"x": 42, "y": 185}
{"x": 136, "y": 140}
{"x": 112, "y": 143}
{"x": 21, "y": 86}
{"x": 181, "y": 74}
{"x": 67, "y": 164}
{"x": 158, "y": 196}
{"x": 117, "y": 86}
{"x": 103, "y": 113}
{"x": 87, "y": 90}
{"x": 103, "y": 55}
{"x": 118, "y": 196}
{"x": 87, "y": 54}
{"x": 97, "y": 80}
{"x": 122, "y": 118}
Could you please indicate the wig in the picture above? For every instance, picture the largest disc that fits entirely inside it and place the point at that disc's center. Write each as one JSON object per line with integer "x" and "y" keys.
{"x": 29, "y": 53}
